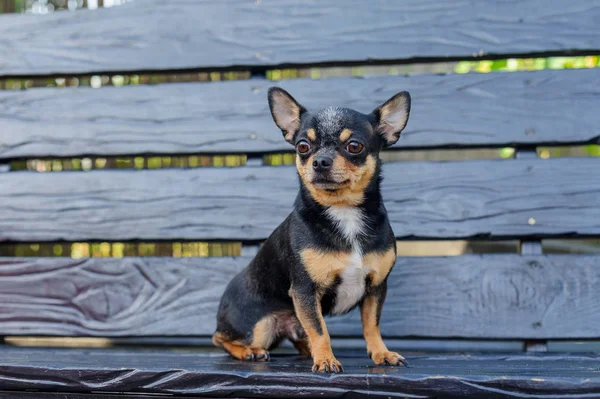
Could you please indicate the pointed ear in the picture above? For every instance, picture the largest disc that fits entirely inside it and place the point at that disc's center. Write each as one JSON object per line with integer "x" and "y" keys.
{"x": 286, "y": 112}
{"x": 392, "y": 117}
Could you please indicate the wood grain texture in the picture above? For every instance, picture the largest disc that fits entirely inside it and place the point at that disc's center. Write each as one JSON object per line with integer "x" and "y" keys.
{"x": 216, "y": 375}
{"x": 479, "y": 297}
{"x": 73, "y": 395}
{"x": 498, "y": 109}
{"x": 154, "y": 35}
{"x": 493, "y": 296}
{"x": 112, "y": 297}
{"x": 492, "y": 198}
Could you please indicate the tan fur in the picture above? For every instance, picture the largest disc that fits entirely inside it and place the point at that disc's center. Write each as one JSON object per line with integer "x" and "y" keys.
{"x": 218, "y": 339}
{"x": 289, "y": 135}
{"x": 242, "y": 352}
{"x": 371, "y": 332}
{"x": 305, "y": 171}
{"x": 393, "y": 118}
{"x": 380, "y": 264}
{"x": 345, "y": 135}
{"x": 302, "y": 346}
{"x": 320, "y": 344}
{"x": 286, "y": 114}
{"x": 351, "y": 193}
{"x": 263, "y": 333}
{"x": 324, "y": 267}
{"x": 375, "y": 346}
{"x": 235, "y": 348}
{"x": 311, "y": 134}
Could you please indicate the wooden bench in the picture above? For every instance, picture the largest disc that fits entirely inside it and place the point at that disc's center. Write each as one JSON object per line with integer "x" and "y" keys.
{"x": 470, "y": 325}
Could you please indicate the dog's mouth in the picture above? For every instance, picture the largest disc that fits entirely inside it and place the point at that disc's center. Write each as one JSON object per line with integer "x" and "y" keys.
{"x": 329, "y": 185}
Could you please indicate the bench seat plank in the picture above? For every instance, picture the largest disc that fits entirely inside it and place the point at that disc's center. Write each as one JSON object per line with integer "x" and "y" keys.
{"x": 472, "y": 296}
{"x": 157, "y": 35}
{"x": 475, "y": 110}
{"x": 72, "y": 395}
{"x": 217, "y": 375}
{"x": 491, "y": 198}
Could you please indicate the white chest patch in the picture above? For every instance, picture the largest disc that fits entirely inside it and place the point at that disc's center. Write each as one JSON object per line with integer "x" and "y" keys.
{"x": 349, "y": 221}
{"x": 352, "y": 287}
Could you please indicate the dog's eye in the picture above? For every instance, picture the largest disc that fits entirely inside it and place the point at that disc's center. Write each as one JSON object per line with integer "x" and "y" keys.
{"x": 354, "y": 147}
{"x": 303, "y": 147}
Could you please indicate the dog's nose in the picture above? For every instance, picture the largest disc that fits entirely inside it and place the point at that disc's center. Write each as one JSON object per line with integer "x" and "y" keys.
{"x": 321, "y": 164}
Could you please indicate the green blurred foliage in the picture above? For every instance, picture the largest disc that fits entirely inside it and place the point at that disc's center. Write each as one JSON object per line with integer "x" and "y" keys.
{"x": 478, "y": 66}
{"x": 156, "y": 162}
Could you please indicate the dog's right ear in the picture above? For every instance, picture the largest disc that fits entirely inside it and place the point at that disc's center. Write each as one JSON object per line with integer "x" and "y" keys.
{"x": 286, "y": 112}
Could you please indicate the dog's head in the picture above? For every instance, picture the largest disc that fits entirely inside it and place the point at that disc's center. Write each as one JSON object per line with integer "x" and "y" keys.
{"x": 338, "y": 148}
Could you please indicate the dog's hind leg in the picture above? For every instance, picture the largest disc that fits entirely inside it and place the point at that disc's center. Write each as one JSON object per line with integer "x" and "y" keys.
{"x": 242, "y": 352}
{"x": 264, "y": 335}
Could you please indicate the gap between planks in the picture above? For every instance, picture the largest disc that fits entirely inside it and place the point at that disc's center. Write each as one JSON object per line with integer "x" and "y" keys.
{"x": 257, "y": 72}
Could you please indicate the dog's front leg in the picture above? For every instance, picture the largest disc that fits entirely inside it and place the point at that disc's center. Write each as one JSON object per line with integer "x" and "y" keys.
{"x": 370, "y": 312}
{"x": 307, "y": 304}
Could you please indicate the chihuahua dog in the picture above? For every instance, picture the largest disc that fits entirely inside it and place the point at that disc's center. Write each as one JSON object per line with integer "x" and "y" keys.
{"x": 336, "y": 248}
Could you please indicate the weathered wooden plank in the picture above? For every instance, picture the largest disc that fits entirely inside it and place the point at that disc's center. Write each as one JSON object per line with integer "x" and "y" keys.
{"x": 499, "y": 109}
{"x": 492, "y": 198}
{"x": 340, "y": 343}
{"x": 465, "y": 376}
{"x": 112, "y": 297}
{"x": 74, "y": 395}
{"x": 157, "y": 35}
{"x": 480, "y": 297}
{"x": 494, "y": 296}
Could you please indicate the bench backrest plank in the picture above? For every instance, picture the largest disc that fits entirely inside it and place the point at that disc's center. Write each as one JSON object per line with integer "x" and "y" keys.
{"x": 511, "y": 109}
{"x": 157, "y": 35}
{"x": 452, "y": 200}
{"x": 488, "y": 296}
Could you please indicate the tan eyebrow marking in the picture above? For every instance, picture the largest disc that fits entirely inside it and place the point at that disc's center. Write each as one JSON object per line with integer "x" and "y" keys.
{"x": 311, "y": 134}
{"x": 345, "y": 135}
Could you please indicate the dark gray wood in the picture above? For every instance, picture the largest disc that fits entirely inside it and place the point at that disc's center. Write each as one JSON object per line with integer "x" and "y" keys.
{"x": 73, "y": 395}
{"x": 492, "y": 198}
{"x": 340, "y": 343}
{"x": 158, "y": 35}
{"x": 439, "y": 376}
{"x": 112, "y": 297}
{"x": 498, "y": 109}
{"x": 489, "y": 296}
{"x": 480, "y": 297}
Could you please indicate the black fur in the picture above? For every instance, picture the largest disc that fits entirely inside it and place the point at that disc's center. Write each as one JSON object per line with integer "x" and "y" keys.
{"x": 263, "y": 287}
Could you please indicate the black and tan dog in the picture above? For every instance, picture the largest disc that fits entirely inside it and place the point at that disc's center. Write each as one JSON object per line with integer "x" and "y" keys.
{"x": 333, "y": 252}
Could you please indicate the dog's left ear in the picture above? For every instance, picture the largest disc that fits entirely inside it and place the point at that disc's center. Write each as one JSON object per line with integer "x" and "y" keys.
{"x": 392, "y": 117}
{"x": 286, "y": 112}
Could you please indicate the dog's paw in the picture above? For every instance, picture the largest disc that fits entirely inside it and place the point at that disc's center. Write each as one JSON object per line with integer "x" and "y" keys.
{"x": 388, "y": 359}
{"x": 256, "y": 355}
{"x": 327, "y": 365}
